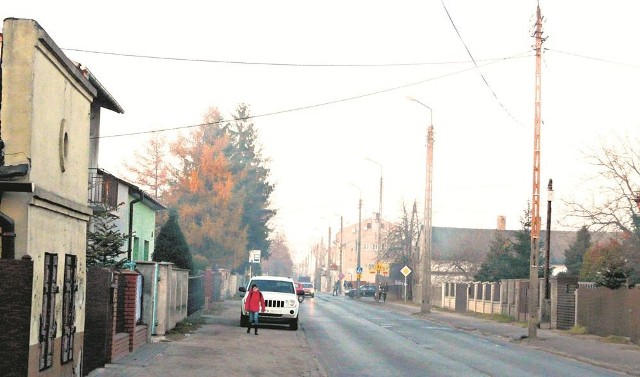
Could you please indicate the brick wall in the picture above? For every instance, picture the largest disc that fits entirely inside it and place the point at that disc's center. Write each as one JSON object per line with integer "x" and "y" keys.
{"x": 137, "y": 333}
{"x": 98, "y": 311}
{"x": 15, "y": 314}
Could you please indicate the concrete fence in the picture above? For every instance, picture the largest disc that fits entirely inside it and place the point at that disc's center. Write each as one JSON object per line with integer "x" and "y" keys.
{"x": 605, "y": 311}
{"x": 165, "y": 295}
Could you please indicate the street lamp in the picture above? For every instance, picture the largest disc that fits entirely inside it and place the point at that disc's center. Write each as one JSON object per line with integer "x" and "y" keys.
{"x": 379, "y": 231}
{"x": 359, "y": 243}
{"x": 425, "y": 306}
{"x": 547, "y": 289}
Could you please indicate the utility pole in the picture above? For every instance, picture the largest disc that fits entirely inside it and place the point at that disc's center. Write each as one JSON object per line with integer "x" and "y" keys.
{"x": 535, "y": 201}
{"x": 329, "y": 286}
{"x": 425, "y": 307}
{"x": 340, "y": 261}
{"x": 546, "y": 308}
{"x": 359, "y": 267}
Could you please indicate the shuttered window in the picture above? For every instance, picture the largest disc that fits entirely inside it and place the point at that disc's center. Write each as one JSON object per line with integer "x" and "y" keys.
{"x": 47, "y": 316}
{"x": 68, "y": 307}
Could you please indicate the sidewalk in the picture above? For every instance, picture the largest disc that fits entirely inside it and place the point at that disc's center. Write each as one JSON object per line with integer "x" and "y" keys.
{"x": 590, "y": 349}
{"x": 221, "y": 348}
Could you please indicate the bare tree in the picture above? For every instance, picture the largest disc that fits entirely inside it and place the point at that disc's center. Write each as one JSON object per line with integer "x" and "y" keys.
{"x": 615, "y": 208}
{"x": 151, "y": 169}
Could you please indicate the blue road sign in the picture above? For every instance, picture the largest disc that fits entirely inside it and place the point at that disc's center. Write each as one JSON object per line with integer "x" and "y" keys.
{"x": 359, "y": 270}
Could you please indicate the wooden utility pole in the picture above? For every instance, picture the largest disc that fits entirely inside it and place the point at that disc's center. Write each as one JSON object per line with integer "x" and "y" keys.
{"x": 535, "y": 200}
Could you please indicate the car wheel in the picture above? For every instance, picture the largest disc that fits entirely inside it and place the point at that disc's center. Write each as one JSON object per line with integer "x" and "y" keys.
{"x": 293, "y": 325}
{"x": 313, "y": 295}
{"x": 244, "y": 320}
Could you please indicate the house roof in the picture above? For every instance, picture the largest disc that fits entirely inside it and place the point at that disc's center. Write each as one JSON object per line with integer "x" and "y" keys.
{"x": 134, "y": 190}
{"x": 446, "y": 243}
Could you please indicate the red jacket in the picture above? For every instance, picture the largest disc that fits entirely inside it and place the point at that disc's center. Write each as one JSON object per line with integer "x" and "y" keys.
{"x": 254, "y": 301}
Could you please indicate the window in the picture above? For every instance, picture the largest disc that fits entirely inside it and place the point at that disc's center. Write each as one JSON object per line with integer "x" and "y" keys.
{"x": 69, "y": 308}
{"x": 146, "y": 250}
{"x": 47, "y": 316}
{"x": 136, "y": 248}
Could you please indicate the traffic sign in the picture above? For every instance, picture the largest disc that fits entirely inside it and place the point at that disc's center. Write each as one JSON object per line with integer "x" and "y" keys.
{"x": 405, "y": 271}
{"x": 359, "y": 270}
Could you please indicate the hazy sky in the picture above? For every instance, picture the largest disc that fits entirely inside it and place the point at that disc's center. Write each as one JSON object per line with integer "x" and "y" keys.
{"x": 339, "y": 73}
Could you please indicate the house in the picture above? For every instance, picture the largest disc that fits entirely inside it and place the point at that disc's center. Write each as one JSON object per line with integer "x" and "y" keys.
{"x": 49, "y": 112}
{"x": 136, "y": 212}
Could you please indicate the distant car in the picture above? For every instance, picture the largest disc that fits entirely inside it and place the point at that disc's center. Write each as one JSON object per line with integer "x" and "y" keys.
{"x": 368, "y": 290}
{"x": 309, "y": 289}
{"x": 299, "y": 291}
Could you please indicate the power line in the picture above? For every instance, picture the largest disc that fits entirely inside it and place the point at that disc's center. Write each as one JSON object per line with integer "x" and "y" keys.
{"x": 284, "y": 64}
{"x": 301, "y": 108}
{"x": 593, "y": 58}
{"x": 476, "y": 64}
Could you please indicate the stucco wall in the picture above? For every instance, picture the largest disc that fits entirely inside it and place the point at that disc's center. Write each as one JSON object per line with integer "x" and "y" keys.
{"x": 45, "y": 124}
{"x": 144, "y": 223}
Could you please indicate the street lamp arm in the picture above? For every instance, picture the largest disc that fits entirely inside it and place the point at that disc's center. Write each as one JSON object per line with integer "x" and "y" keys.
{"x": 430, "y": 109}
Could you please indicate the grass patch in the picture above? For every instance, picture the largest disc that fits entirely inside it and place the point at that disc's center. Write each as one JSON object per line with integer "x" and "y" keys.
{"x": 577, "y": 330}
{"x": 496, "y": 317}
{"x": 187, "y": 326}
{"x": 616, "y": 339}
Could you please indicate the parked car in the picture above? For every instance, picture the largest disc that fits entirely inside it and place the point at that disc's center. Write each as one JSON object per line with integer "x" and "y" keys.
{"x": 280, "y": 297}
{"x": 299, "y": 291}
{"x": 368, "y": 290}
{"x": 309, "y": 289}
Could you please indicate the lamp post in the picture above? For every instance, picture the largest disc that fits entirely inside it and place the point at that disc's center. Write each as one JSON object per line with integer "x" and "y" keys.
{"x": 546, "y": 314}
{"x": 379, "y": 231}
{"x": 425, "y": 306}
{"x": 359, "y": 243}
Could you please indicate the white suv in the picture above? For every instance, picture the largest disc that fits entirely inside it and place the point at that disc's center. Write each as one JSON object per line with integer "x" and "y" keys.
{"x": 280, "y": 298}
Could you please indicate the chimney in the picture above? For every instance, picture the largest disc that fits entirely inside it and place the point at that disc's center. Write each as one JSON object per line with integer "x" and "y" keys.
{"x": 502, "y": 222}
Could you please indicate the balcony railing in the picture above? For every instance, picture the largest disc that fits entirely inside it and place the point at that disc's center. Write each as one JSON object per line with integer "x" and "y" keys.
{"x": 103, "y": 191}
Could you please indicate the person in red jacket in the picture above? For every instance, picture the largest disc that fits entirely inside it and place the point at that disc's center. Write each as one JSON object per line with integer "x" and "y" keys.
{"x": 254, "y": 304}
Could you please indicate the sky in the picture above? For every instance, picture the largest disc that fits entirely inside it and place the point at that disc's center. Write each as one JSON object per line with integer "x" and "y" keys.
{"x": 328, "y": 83}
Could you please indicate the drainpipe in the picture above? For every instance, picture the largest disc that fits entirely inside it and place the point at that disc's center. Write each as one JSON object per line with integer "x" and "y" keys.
{"x": 8, "y": 236}
{"x": 154, "y": 310}
{"x": 134, "y": 201}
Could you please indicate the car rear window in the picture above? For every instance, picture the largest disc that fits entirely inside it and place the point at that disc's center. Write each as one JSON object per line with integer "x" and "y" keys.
{"x": 274, "y": 286}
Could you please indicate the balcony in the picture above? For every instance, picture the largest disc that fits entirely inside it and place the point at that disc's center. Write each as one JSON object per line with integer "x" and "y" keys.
{"x": 103, "y": 191}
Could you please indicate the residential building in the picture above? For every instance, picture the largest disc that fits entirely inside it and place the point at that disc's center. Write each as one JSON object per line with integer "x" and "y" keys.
{"x": 135, "y": 214}
{"x": 49, "y": 110}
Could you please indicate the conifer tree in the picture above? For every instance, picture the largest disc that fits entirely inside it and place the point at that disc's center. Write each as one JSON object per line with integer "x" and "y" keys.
{"x": 574, "y": 255}
{"x": 171, "y": 245}
{"x": 104, "y": 241}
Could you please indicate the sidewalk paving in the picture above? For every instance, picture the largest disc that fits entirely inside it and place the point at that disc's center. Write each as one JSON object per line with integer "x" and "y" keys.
{"x": 221, "y": 348}
{"x": 589, "y": 349}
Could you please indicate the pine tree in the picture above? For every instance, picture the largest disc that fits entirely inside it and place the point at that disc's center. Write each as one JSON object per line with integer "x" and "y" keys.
{"x": 171, "y": 245}
{"x": 104, "y": 241}
{"x": 248, "y": 166}
{"x": 574, "y": 255}
{"x": 508, "y": 259}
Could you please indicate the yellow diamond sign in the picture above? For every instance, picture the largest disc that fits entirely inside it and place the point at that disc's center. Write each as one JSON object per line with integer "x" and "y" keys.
{"x": 405, "y": 271}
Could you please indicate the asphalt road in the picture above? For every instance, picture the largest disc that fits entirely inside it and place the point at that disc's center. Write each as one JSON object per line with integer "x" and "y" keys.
{"x": 353, "y": 338}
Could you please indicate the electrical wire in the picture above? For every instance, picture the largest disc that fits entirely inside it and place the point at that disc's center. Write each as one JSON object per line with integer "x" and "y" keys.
{"x": 593, "y": 58}
{"x": 476, "y": 64}
{"x": 322, "y": 104}
{"x": 278, "y": 64}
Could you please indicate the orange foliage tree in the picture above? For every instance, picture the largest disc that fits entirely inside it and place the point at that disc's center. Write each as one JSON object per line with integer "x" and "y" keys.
{"x": 203, "y": 194}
